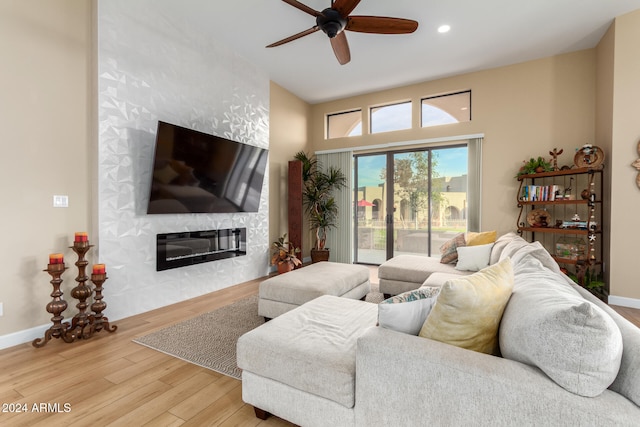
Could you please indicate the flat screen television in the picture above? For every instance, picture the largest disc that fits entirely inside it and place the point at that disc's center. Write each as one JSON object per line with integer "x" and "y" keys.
{"x": 194, "y": 172}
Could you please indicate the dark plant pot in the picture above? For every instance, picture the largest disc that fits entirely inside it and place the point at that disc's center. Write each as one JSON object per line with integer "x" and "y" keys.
{"x": 285, "y": 267}
{"x": 318, "y": 255}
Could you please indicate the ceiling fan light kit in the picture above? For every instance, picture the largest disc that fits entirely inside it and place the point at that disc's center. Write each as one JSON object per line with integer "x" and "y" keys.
{"x": 333, "y": 21}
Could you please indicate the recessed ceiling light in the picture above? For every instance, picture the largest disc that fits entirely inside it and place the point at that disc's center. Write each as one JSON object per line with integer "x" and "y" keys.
{"x": 443, "y": 28}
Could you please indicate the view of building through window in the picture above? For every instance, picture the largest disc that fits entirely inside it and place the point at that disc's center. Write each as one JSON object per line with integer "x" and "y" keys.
{"x": 407, "y": 201}
{"x": 420, "y": 208}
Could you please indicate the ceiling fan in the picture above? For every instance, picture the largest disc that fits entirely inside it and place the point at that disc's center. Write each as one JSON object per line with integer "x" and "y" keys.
{"x": 335, "y": 20}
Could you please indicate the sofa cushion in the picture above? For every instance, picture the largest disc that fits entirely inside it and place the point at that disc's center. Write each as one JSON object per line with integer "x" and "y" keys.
{"x": 468, "y": 310}
{"x": 439, "y": 279}
{"x": 481, "y": 238}
{"x": 512, "y": 247}
{"x": 474, "y": 258}
{"x": 549, "y": 325}
{"x": 448, "y": 250}
{"x": 412, "y": 268}
{"x": 627, "y": 382}
{"x": 407, "y": 311}
{"x": 500, "y": 244}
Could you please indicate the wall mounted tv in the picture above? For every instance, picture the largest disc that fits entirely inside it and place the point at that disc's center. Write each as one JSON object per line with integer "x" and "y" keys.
{"x": 194, "y": 172}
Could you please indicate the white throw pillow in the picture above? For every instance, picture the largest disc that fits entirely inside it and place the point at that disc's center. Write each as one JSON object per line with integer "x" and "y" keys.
{"x": 474, "y": 258}
{"x": 407, "y": 311}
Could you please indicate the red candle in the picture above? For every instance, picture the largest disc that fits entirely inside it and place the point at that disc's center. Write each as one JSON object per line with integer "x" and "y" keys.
{"x": 99, "y": 269}
{"x": 81, "y": 237}
{"x": 56, "y": 259}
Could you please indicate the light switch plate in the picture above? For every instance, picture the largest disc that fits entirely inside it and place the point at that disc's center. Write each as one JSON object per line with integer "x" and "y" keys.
{"x": 60, "y": 201}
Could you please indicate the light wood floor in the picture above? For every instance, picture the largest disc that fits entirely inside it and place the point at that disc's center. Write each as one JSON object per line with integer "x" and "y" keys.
{"x": 109, "y": 380}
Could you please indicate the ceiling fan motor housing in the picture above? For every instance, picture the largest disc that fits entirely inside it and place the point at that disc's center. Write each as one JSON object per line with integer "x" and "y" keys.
{"x": 331, "y": 22}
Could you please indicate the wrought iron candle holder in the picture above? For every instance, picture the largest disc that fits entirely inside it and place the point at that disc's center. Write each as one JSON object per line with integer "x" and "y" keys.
{"x": 81, "y": 292}
{"x": 55, "y": 307}
{"x": 84, "y": 324}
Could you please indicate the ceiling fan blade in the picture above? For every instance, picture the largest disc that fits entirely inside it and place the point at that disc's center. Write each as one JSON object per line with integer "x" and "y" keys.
{"x": 341, "y": 48}
{"x": 302, "y": 7}
{"x": 295, "y": 36}
{"x": 345, "y": 7}
{"x": 380, "y": 25}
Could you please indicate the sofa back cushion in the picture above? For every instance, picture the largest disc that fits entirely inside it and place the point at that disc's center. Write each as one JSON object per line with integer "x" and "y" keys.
{"x": 468, "y": 309}
{"x": 627, "y": 382}
{"x": 500, "y": 244}
{"x": 548, "y": 324}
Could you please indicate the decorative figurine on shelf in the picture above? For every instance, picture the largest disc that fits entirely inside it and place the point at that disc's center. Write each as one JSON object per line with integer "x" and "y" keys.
{"x": 567, "y": 190}
{"x": 554, "y": 158}
{"x": 589, "y": 156}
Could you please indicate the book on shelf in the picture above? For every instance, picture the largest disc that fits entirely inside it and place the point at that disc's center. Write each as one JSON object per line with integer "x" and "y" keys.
{"x": 539, "y": 193}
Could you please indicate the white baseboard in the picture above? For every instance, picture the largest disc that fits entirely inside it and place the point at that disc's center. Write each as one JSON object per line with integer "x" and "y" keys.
{"x": 624, "y": 301}
{"x": 27, "y": 335}
{"x": 22, "y": 337}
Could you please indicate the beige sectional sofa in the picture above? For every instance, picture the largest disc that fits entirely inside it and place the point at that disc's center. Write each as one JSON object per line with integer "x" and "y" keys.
{"x": 567, "y": 359}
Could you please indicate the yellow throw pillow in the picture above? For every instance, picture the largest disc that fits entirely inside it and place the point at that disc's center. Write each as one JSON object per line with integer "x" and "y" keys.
{"x": 468, "y": 310}
{"x": 484, "y": 238}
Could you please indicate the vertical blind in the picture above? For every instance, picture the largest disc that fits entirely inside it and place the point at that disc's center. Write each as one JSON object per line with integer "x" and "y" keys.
{"x": 339, "y": 239}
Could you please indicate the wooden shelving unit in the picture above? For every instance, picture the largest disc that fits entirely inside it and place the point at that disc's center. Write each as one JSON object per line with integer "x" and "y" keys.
{"x": 583, "y": 189}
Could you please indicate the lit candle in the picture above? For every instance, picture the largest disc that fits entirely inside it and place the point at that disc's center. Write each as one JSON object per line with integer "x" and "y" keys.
{"x": 81, "y": 237}
{"x": 56, "y": 259}
{"x": 99, "y": 269}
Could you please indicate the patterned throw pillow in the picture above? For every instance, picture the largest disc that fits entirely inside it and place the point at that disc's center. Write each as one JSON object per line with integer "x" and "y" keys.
{"x": 407, "y": 312}
{"x": 449, "y": 250}
{"x": 468, "y": 311}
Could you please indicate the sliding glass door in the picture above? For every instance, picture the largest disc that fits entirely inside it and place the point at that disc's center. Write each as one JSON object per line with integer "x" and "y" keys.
{"x": 408, "y": 202}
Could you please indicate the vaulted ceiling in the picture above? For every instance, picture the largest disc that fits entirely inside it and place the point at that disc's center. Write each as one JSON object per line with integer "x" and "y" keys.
{"x": 484, "y": 34}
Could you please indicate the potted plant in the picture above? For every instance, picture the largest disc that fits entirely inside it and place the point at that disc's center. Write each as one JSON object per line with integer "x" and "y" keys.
{"x": 284, "y": 255}
{"x": 319, "y": 202}
{"x": 535, "y": 166}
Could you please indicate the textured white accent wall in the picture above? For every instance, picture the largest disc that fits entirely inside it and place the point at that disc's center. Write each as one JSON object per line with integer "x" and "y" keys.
{"x": 152, "y": 66}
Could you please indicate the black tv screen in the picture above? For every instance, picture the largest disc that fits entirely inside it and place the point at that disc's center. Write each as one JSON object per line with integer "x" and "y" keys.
{"x": 194, "y": 172}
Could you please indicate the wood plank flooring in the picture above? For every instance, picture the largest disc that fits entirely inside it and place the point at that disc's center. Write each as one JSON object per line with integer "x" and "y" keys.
{"x": 109, "y": 380}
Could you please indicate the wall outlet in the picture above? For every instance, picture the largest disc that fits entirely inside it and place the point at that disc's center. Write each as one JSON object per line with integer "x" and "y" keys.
{"x": 1, "y": 310}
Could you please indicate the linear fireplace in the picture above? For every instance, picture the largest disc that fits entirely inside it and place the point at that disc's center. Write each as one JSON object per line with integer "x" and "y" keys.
{"x": 175, "y": 250}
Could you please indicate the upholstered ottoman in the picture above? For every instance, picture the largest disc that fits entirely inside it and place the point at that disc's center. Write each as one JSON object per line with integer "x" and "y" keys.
{"x": 301, "y": 366}
{"x": 284, "y": 292}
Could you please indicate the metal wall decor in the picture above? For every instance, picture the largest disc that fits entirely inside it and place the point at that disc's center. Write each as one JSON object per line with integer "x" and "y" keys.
{"x": 636, "y": 165}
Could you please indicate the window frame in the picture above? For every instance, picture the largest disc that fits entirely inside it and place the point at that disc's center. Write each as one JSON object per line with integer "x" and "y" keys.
{"x": 391, "y": 104}
{"x": 460, "y": 92}
{"x": 339, "y": 113}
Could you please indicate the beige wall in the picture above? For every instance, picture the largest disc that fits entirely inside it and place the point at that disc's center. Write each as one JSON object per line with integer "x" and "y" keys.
{"x": 524, "y": 110}
{"x": 288, "y": 134}
{"x": 625, "y": 134}
{"x": 604, "y": 124}
{"x": 46, "y": 111}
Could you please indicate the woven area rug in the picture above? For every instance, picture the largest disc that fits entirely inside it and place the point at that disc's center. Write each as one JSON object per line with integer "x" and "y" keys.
{"x": 209, "y": 340}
